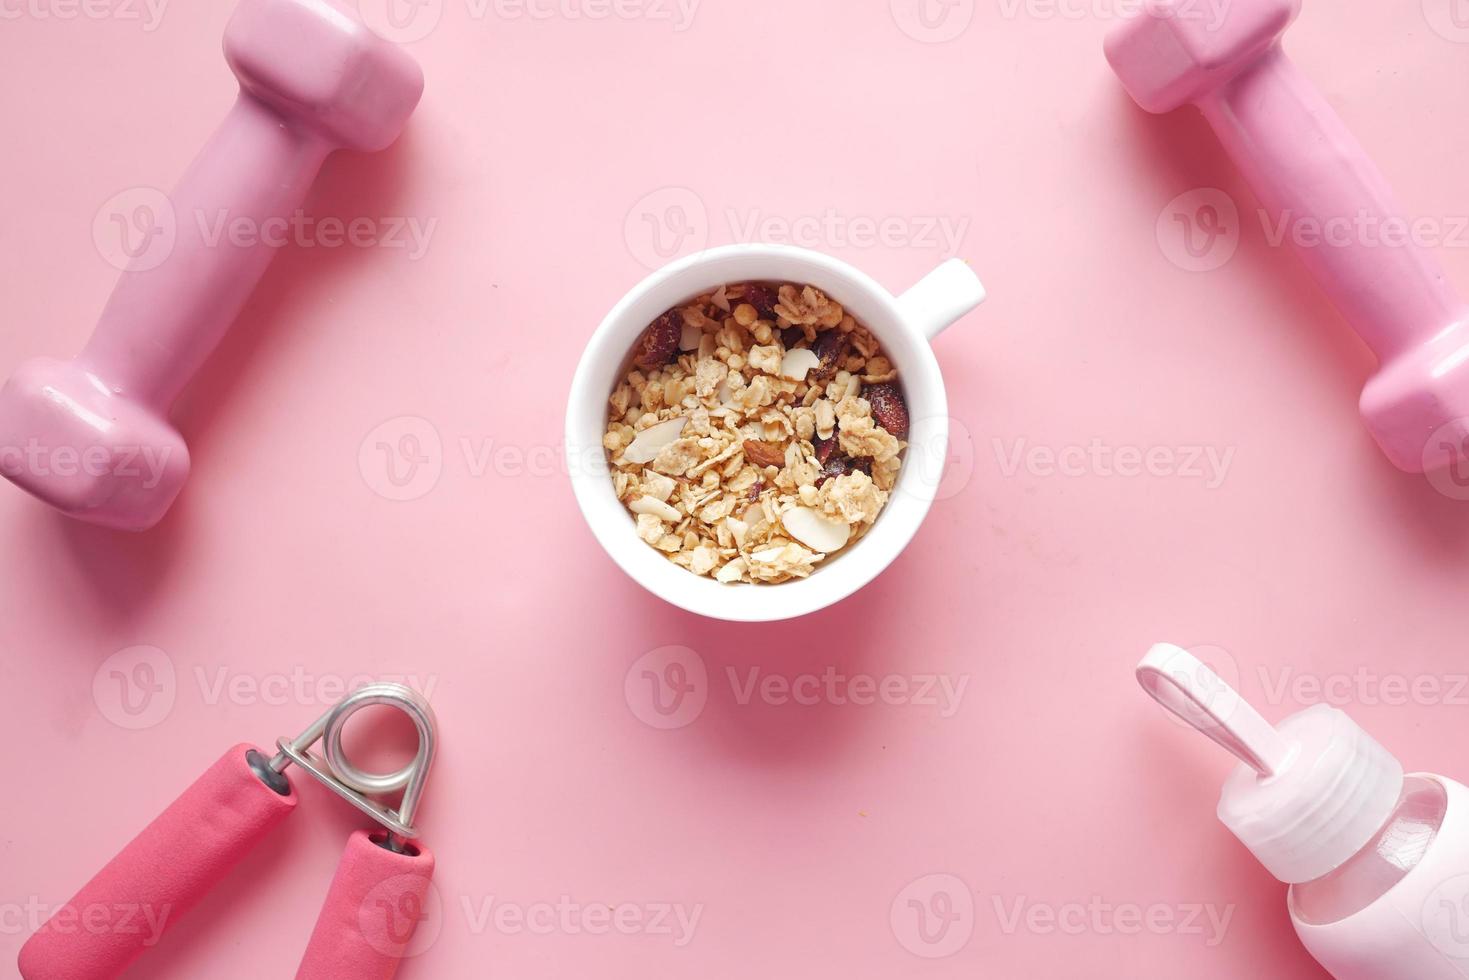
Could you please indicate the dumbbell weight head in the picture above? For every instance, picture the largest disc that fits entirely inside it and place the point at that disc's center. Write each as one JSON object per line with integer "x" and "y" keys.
{"x": 1176, "y": 51}
{"x": 311, "y": 62}
{"x": 1417, "y": 405}
{"x": 69, "y": 439}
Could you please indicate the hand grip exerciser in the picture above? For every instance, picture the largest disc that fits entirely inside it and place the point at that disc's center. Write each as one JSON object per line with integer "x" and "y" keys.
{"x": 375, "y": 900}
{"x": 91, "y": 436}
{"x": 1318, "y": 184}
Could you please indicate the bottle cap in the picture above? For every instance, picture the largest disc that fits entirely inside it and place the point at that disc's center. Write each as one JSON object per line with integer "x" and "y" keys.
{"x": 1308, "y": 794}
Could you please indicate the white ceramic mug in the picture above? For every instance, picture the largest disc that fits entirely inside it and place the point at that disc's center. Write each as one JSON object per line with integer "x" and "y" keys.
{"x": 904, "y": 325}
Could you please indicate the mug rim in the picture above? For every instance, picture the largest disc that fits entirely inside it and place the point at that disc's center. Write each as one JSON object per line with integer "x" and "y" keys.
{"x": 832, "y": 581}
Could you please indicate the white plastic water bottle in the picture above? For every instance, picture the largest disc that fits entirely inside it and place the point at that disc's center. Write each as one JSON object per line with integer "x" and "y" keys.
{"x": 1378, "y": 862}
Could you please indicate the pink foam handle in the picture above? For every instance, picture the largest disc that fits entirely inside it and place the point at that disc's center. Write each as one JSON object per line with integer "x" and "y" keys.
{"x": 373, "y": 908}
{"x": 125, "y": 909}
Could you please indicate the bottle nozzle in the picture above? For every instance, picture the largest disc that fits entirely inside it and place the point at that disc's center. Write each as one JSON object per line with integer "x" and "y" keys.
{"x": 1311, "y": 792}
{"x": 1180, "y": 682}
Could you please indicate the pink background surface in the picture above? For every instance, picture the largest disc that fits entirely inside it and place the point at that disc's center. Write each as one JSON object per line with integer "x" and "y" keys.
{"x": 799, "y": 832}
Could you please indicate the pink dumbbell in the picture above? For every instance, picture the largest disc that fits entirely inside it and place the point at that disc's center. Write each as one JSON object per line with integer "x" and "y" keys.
{"x": 1306, "y": 167}
{"x": 91, "y": 436}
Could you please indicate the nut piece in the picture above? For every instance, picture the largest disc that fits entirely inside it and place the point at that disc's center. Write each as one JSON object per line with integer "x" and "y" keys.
{"x": 815, "y": 531}
{"x": 659, "y": 342}
{"x": 798, "y": 363}
{"x": 654, "y": 506}
{"x": 888, "y": 408}
{"x": 650, "y": 442}
{"x": 764, "y": 454}
{"x": 690, "y": 337}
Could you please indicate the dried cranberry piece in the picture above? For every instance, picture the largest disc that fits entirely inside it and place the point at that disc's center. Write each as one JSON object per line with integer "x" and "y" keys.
{"x": 831, "y": 346}
{"x": 659, "y": 343}
{"x": 888, "y": 408}
{"x": 763, "y": 298}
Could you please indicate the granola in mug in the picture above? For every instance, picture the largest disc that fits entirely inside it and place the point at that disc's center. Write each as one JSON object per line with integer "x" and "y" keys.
{"x": 758, "y": 432}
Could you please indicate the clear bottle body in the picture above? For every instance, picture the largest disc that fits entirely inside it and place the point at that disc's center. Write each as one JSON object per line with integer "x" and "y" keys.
{"x": 1387, "y": 859}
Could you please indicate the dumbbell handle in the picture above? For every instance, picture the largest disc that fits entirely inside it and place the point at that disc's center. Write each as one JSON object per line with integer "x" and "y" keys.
{"x": 1305, "y": 166}
{"x": 372, "y": 910}
{"x": 163, "y": 321}
{"x": 160, "y": 875}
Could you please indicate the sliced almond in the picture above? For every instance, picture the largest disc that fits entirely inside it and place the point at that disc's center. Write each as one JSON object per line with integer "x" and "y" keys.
{"x": 816, "y": 531}
{"x": 690, "y": 338}
{"x": 654, "y": 506}
{"x": 798, "y": 363}
{"x": 738, "y": 529}
{"x": 650, "y": 442}
{"x": 767, "y": 555}
{"x": 732, "y": 572}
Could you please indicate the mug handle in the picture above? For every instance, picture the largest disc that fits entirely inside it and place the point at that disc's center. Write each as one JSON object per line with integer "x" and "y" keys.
{"x": 942, "y": 297}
